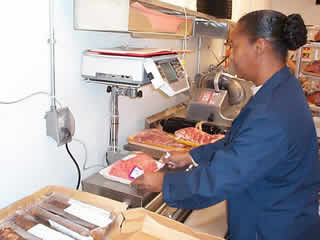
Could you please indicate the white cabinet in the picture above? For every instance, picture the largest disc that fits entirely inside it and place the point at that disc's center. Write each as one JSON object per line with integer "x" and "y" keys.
{"x": 101, "y": 15}
{"x": 144, "y": 17}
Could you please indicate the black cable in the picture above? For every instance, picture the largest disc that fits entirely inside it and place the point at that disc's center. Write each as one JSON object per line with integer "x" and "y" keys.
{"x": 223, "y": 60}
{"x": 77, "y": 165}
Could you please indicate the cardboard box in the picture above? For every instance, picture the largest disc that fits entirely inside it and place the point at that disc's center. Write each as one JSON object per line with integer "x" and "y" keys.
{"x": 130, "y": 224}
{"x": 95, "y": 200}
{"x": 142, "y": 224}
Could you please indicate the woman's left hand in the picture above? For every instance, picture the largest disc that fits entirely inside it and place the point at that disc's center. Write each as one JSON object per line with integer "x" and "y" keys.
{"x": 149, "y": 182}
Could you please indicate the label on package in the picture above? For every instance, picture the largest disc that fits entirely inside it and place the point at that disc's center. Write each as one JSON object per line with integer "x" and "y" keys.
{"x": 69, "y": 232}
{"x": 89, "y": 213}
{"x": 45, "y": 233}
{"x": 135, "y": 172}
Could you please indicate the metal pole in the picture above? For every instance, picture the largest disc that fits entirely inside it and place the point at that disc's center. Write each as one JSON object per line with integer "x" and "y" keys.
{"x": 199, "y": 42}
{"x": 114, "y": 128}
{"x": 298, "y": 63}
{"x": 52, "y": 42}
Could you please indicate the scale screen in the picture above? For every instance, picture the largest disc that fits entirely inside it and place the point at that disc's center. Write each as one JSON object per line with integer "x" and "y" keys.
{"x": 169, "y": 72}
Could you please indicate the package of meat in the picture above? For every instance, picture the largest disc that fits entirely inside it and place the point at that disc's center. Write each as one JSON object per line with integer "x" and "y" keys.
{"x": 313, "y": 67}
{"x": 77, "y": 219}
{"x": 38, "y": 228}
{"x": 196, "y": 137}
{"x": 130, "y": 167}
{"x": 317, "y": 37}
{"x": 157, "y": 139}
{"x": 10, "y": 231}
{"x": 314, "y": 98}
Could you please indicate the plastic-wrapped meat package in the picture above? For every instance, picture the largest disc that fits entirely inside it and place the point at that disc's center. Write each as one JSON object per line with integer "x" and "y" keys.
{"x": 313, "y": 67}
{"x": 37, "y": 228}
{"x": 78, "y": 219}
{"x": 133, "y": 166}
{"x": 317, "y": 37}
{"x": 10, "y": 231}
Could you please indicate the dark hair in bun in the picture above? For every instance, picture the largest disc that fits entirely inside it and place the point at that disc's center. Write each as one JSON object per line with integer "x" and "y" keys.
{"x": 294, "y": 32}
{"x": 284, "y": 33}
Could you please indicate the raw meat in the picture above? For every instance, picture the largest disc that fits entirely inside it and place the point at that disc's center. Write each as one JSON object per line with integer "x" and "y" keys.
{"x": 194, "y": 135}
{"x": 123, "y": 168}
{"x": 313, "y": 67}
{"x": 156, "y": 136}
{"x": 314, "y": 98}
{"x": 9, "y": 234}
{"x": 317, "y": 37}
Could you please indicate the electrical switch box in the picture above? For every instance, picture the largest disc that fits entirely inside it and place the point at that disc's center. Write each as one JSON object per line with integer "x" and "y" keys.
{"x": 60, "y": 125}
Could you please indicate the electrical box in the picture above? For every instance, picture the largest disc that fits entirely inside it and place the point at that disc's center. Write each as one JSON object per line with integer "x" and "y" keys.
{"x": 60, "y": 125}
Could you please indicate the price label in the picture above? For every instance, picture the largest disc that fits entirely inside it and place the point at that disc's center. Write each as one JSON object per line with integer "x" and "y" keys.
{"x": 136, "y": 172}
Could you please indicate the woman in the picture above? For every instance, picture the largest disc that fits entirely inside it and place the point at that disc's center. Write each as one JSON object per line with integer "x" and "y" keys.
{"x": 267, "y": 166}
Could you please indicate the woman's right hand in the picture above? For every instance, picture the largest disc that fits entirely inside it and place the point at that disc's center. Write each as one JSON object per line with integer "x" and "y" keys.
{"x": 176, "y": 159}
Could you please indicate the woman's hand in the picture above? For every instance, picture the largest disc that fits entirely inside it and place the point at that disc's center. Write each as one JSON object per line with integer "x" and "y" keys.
{"x": 149, "y": 182}
{"x": 177, "y": 159}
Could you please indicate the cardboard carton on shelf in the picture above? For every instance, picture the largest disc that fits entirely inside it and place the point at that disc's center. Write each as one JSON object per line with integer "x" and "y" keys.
{"x": 147, "y": 20}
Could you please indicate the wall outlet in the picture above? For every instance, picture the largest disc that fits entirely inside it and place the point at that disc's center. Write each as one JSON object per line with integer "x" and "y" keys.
{"x": 60, "y": 125}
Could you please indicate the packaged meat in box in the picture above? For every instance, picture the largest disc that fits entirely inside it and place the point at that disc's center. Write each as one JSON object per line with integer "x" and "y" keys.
{"x": 130, "y": 167}
{"x": 10, "y": 231}
{"x": 74, "y": 218}
{"x": 24, "y": 226}
{"x": 55, "y": 211}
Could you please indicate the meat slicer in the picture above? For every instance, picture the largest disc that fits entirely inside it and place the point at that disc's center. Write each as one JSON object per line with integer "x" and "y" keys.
{"x": 219, "y": 97}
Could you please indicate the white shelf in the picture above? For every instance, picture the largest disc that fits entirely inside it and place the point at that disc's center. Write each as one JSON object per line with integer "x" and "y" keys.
{"x": 312, "y": 44}
{"x": 309, "y": 76}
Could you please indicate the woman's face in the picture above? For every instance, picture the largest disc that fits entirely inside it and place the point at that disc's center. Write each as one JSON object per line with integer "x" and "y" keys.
{"x": 243, "y": 57}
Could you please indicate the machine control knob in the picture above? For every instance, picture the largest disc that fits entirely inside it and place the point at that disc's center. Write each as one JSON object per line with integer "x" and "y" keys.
{"x": 109, "y": 89}
{"x": 150, "y": 76}
{"x": 139, "y": 94}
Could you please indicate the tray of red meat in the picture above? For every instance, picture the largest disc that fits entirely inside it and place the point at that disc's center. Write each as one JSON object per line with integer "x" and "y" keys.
{"x": 130, "y": 167}
{"x": 158, "y": 140}
{"x": 196, "y": 137}
{"x": 312, "y": 68}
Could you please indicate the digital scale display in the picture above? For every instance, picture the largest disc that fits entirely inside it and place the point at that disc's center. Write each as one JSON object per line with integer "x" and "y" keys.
{"x": 169, "y": 72}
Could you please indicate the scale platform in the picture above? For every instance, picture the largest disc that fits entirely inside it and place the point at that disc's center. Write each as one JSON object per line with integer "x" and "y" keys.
{"x": 101, "y": 186}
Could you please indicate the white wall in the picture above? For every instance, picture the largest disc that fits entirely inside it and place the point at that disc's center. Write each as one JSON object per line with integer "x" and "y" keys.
{"x": 242, "y": 7}
{"x": 307, "y": 8}
{"x": 29, "y": 159}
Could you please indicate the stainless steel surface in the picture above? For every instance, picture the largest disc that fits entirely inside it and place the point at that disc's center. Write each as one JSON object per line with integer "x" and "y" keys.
{"x": 97, "y": 184}
{"x": 116, "y": 91}
{"x": 211, "y": 28}
{"x": 219, "y": 98}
